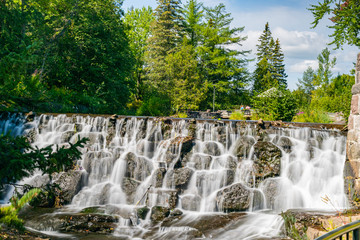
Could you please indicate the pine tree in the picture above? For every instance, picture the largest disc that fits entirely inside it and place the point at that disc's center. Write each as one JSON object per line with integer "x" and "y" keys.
{"x": 164, "y": 39}
{"x": 265, "y": 48}
{"x": 278, "y": 65}
{"x": 223, "y": 67}
{"x": 192, "y": 15}
{"x": 270, "y": 68}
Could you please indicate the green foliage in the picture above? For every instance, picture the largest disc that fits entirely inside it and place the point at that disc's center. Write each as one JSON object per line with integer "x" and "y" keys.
{"x": 155, "y": 105}
{"x": 275, "y": 104}
{"x": 312, "y": 116}
{"x": 138, "y": 22}
{"x": 19, "y": 159}
{"x": 8, "y": 214}
{"x": 270, "y": 69}
{"x": 78, "y": 47}
{"x": 335, "y": 96}
{"x": 345, "y": 18}
{"x": 187, "y": 90}
{"x": 324, "y": 74}
{"x": 224, "y": 68}
{"x": 291, "y": 229}
{"x": 237, "y": 116}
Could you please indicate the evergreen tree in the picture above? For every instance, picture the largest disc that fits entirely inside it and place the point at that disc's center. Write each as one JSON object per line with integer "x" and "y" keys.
{"x": 164, "y": 39}
{"x": 223, "y": 67}
{"x": 188, "y": 90}
{"x": 192, "y": 15}
{"x": 270, "y": 68}
{"x": 265, "y": 48}
{"x": 279, "y": 66}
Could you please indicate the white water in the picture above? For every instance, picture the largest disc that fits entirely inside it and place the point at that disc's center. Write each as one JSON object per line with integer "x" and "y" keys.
{"x": 311, "y": 170}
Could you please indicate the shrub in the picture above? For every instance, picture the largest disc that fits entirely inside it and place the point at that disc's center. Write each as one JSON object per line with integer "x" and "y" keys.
{"x": 312, "y": 116}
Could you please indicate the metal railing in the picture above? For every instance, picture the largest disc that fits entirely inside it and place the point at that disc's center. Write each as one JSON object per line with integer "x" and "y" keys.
{"x": 346, "y": 232}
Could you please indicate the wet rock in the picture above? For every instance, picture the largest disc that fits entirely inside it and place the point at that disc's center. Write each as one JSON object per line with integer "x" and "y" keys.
{"x": 158, "y": 177}
{"x": 202, "y": 161}
{"x": 179, "y": 177}
{"x": 191, "y": 202}
{"x": 268, "y": 160}
{"x": 175, "y": 213}
{"x": 243, "y": 146}
{"x": 66, "y": 136}
{"x": 231, "y": 163}
{"x": 131, "y": 164}
{"x": 186, "y": 143}
{"x": 283, "y": 142}
{"x": 96, "y": 223}
{"x": 233, "y": 198}
{"x": 159, "y": 213}
{"x": 271, "y": 189}
{"x": 163, "y": 197}
{"x": 137, "y": 167}
{"x": 212, "y": 148}
{"x": 69, "y": 183}
{"x": 142, "y": 212}
{"x": 129, "y": 186}
{"x": 31, "y": 135}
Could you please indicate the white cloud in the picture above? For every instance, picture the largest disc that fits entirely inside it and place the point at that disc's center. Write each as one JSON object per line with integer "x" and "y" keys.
{"x": 300, "y": 67}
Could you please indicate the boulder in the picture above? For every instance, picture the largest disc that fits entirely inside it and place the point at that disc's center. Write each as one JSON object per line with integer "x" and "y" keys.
{"x": 83, "y": 223}
{"x": 271, "y": 189}
{"x": 142, "y": 212}
{"x": 212, "y": 148}
{"x": 234, "y": 198}
{"x": 159, "y": 213}
{"x": 284, "y": 143}
{"x": 243, "y": 146}
{"x": 268, "y": 160}
{"x": 158, "y": 177}
{"x": 179, "y": 177}
{"x": 202, "y": 162}
{"x": 191, "y": 202}
{"x": 69, "y": 183}
{"x": 129, "y": 186}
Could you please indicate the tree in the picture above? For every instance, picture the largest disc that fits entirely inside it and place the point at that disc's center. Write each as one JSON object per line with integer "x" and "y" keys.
{"x": 305, "y": 88}
{"x": 222, "y": 66}
{"x": 275, "y": 104}
{"x": 345, "y": 16}
{"x": 165, "y": 37}
{"x": 192, "y": 15}
{"x": 264, "y": 49}
{"x": 138, "y": 22}
{"x": 188, "y": 90}
{"x": 90, "y": 52}
{"x": 19, "y": 159}
{"x": 270, "y": 68}
{"x": 279, "y": 66}
{"x": 324, "y": 73}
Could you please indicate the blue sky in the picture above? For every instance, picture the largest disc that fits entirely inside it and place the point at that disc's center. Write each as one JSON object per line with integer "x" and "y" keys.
{"x": 290, "y": 21}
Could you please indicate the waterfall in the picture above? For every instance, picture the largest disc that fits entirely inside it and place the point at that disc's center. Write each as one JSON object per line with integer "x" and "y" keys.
{"x": 199, "y": 167}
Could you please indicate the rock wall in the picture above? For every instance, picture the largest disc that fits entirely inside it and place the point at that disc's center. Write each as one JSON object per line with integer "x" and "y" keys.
{"x": 352, "y": 164}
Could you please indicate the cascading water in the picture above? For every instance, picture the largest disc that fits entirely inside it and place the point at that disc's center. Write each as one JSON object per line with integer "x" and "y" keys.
{"x": 201, "y": 168}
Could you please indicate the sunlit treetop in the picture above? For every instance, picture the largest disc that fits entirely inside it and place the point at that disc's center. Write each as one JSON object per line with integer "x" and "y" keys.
{"x": 344, "y": 17}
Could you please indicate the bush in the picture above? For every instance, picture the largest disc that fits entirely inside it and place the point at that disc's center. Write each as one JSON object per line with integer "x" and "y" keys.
{"x": 312, "y": 116}
{"x": 275, "y": 104}
{"x": 237, "y": 116}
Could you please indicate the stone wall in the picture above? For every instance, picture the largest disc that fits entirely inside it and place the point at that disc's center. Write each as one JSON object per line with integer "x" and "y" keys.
{"x": 352, "y": 164}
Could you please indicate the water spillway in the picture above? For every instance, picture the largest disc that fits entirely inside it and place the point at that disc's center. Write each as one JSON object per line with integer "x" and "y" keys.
{"x": 184, "y": 174}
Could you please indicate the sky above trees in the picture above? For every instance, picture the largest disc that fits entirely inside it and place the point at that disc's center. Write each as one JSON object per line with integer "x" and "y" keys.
{"x": 290, "y": 21}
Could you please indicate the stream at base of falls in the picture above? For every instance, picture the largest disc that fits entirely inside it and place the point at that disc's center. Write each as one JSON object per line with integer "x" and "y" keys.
{"x": 153, "y": 178}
